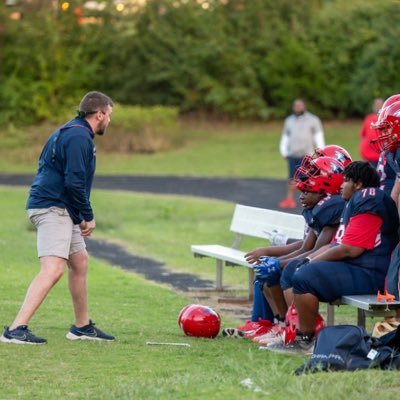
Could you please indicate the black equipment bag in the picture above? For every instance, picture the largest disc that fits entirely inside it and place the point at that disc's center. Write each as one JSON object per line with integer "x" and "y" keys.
{"x": 350, "y": 347}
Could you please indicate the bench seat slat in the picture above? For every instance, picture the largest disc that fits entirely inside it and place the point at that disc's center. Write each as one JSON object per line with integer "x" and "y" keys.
{"x": 221, "y": 253}
{"x": 369, "y": 302}
{"x": 259, "y": 222}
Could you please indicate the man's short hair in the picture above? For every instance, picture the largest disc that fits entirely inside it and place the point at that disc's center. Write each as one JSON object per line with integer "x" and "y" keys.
{"x": 364, "y": 172}
{"x": 93, "y": 102}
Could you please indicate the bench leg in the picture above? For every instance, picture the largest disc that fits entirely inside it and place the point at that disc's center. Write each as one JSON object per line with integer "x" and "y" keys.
{"x": 330, "y": 314}
{"x": 360, "y": 317}
{"x": 219, "y": 275}
{"x": 251, "y": 284}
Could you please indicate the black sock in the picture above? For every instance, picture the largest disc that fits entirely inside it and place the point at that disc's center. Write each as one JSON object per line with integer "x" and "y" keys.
{"x": 307, "y": 337}
{"x": 278, "y": 318}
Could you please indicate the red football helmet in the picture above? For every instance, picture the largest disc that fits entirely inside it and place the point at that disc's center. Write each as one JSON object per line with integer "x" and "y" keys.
{"x": 334, "y": 151}
{"x": 388, "y": 125}
{"x": 199, "y": 321}
{"x": 389, "y": 101}
{"x": 182, "y": 312}
{"x": 320, "y": 175}
{"x": 380, "y": 123}
{"x": 331, "y": 150}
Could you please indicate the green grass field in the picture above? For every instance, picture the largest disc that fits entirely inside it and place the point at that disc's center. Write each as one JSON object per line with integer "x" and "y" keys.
{"x": 229, "y": 149}
{"x": 137, "y": 311}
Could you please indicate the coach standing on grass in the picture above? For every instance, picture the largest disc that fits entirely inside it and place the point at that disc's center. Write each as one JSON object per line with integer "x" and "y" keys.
{"x": 302, "y": 133}
{"x": 59, "y": 207}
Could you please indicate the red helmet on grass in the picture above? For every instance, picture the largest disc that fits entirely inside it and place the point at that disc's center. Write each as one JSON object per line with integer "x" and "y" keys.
{"x": 182, "y": 312}
{"x": 320, "y": 175}
{"x": 199, "y": 321}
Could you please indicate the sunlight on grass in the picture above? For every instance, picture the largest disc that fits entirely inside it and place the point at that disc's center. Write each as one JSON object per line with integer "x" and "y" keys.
{"x": 236, "y": 150}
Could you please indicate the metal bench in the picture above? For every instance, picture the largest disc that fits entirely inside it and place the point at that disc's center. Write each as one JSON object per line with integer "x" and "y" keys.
{"x": 254, "y": 222}
{"x": 367, "y": 306}
{"x": 258, "y": 222}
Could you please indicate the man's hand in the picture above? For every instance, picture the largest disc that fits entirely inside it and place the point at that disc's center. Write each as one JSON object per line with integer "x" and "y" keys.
{"x": 253, "y": 257}
{"x": 87, "y": 227}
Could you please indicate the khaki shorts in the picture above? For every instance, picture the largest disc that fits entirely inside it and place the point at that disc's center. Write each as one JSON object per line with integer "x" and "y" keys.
{"x": 56, "y": 234}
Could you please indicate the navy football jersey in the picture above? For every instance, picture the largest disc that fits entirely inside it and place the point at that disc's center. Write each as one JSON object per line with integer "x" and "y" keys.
{"x": 388, "y": 168}
{"x": 326, "y": 212}
{"x": 372, "y": 201}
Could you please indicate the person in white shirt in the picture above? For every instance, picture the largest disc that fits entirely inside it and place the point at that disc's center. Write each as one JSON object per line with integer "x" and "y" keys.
{"x": 302, "y": 134}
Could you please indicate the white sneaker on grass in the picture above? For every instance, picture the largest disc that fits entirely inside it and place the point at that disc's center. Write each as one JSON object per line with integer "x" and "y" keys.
{"x": 88, "y": 332}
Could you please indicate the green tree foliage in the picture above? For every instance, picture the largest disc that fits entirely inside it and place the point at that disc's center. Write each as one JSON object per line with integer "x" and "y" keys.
{"x": 46, "y": 62}
{"x": 205, "y": 60}
{"x": 238, "y": 58}
{"x": 356, "y": 48}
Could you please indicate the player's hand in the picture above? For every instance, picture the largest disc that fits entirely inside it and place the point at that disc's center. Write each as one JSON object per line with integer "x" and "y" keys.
{"x": 87, "y": 227}
{"x": 253, "y": 257}
{"x": 268, "y": 271}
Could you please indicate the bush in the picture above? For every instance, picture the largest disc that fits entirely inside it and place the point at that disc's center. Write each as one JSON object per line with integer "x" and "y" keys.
{"x": 143, "y": 129}
{"x": 236, "y": 58}
{"x": 47, "y": 64}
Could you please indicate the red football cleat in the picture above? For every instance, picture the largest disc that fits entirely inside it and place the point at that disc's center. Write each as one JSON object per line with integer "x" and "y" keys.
{"x": 276, "y": 330}
{"x": 265, "y": 326}
{"x": 249, "y": 326}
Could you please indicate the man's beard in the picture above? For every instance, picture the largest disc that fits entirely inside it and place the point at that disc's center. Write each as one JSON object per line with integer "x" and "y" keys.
{"x": 101, "y": 130}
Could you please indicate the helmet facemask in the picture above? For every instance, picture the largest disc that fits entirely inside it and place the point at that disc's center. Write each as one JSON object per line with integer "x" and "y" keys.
{"x": 321, "y": 175}
{"x": 388, "y": 126}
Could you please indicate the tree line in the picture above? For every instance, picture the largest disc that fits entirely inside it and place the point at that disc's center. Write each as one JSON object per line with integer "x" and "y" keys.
{"x": 234, "y": 58}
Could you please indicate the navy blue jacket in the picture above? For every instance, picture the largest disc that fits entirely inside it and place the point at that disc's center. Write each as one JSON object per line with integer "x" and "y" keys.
{"x": 66, "y": 170}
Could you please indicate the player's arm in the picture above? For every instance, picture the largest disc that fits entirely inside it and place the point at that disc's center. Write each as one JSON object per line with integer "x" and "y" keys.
{"x": 356, "y": 239}
{"x": 325, "y": 237}
{"x": 284, "y": 143}
{"x": 308, "y": 244}
{"x": 313, "y": 244}
{"x": 77, "y": 154}
{"x": 253, "y": 256}
{"x": 318, "y": 134}
{"x": 321, "y": 244}
{"x": 321, "y": 250}
{"x": 337, "y": 253}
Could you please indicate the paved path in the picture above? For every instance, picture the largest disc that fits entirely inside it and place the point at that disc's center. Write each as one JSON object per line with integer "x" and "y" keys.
{"x": 150, "y": 269}
{"x": 264, "y": 193}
